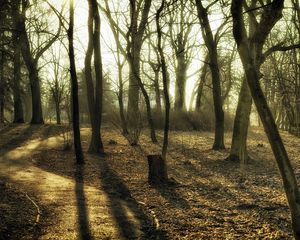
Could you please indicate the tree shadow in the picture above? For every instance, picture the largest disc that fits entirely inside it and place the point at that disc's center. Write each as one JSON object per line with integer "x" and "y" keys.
{"x": 170, "y": 192}
{"x": 82, "y": 211}
{"x": 8, "y": 128}
{"x": 22, "y": 137}
{"x": 123, "y": 206}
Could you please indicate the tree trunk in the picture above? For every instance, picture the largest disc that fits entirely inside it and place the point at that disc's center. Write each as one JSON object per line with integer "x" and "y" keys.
{"x": 18, "y": 108}
{"x": 157, "y": 170}
{"x": 74, "y": 85}
{"x": 215, "y": 72}
{"x": 120, "y": 97}
{"x": 94, "y": 93}
{"x": 134, "y": 45}
{"x": 284, "y": 165}
{"x": 201, "y": 84}
{"x": 157, "y": 93}
{"x": 2, "y": 92}
{"x": 57, "y": 110}
{"x": 31, "y": 64}
{"x": 238, "y": 151}
{"x": 147, "y": 101}
{"x": 158, "y": 164}
{"x": 133, "y": 91}
{"x": 269, "y": 17}
{"x": 180, "y": 82}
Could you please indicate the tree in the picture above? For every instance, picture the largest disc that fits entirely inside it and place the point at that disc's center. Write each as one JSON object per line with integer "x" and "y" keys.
{"x": 117, "y": 33}
{"x": 271, "y": 13}
{"x": 158, "y": 164}
{"x": 74, "y": 86}
{"x": 211, "y": 44}
{"x": 57, "y": 84}
{"x": 31, "y": 60}
{"x": 180, "y": 36}
{"x": 95, "y": 94}
{"x": 134, "y": 41}
{"x": 134, "y": 45}
{"x": 238, "y": 150}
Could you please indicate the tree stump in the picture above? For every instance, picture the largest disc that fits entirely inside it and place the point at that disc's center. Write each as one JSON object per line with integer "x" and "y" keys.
{"x": 157, "y": 173}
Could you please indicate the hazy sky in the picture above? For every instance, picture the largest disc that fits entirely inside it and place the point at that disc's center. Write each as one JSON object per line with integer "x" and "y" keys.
{"x": 81, "y": 39}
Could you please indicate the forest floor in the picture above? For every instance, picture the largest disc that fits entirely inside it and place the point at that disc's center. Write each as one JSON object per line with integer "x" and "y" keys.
{"x": 44, "y": 195}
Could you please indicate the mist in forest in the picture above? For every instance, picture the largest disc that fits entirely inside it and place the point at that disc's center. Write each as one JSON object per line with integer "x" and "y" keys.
{"x": 144, "y": 93}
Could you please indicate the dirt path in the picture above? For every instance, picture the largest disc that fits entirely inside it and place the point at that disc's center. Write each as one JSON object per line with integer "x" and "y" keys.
{"x": 109, "y": 198}
{"x": 71, "y": 208}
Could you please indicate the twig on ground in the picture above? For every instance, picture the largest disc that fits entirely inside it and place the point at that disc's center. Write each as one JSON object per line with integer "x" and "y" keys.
{"x": 37, "y": 208}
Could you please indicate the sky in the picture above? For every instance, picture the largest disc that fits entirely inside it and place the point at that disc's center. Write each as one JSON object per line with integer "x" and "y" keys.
{"x": 81, "y": 39}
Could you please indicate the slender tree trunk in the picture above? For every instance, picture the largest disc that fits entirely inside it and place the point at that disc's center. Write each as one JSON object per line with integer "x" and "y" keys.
{"x": 157, "y": 93}
{"x": 201, "y": 84}
{"x": 74, "y": 85}
{"x": 120, "y": 98}
{"x": 238, "y": 151}
{"x": 147, "y": 101}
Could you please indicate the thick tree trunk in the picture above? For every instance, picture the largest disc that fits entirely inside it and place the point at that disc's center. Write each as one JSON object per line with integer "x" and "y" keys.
{"x": 2, "y": 92}
{"x": 31, "y": 64}
{"x": 18, "y": 108}
{"x": 269, "y": 17}
{"x": 157, "y": 170}
{"x": 134, "y": 46}
{"x": 74, "y": 85}
{"x": 57, "y": 110}
{"x": 133, "y": 91}
{"x": 36, "y": 100}
{"x": 218, "y": 105}
{"x": 238, "y": 151}
{"x": 180, "y": 82}
{"x": 283, "y": 162}
{"x": 94, "y": 93}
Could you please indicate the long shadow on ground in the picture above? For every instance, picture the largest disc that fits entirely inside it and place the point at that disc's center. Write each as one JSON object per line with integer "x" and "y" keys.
{"x": 120, "y": 200}
{"x": 23, "y": 136}
{"x": 84, "y": 230}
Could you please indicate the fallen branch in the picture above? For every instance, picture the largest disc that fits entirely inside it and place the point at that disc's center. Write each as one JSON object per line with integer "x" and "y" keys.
{"x": 37, "y": 208}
